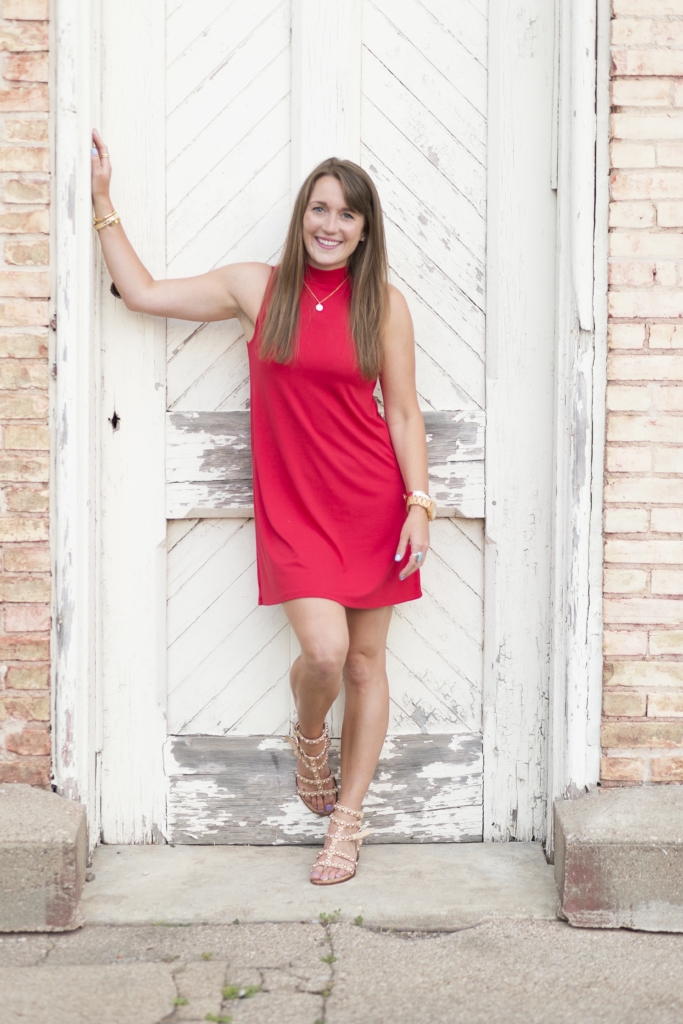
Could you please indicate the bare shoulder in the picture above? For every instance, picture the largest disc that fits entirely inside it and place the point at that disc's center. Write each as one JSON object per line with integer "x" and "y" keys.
{"x": 247, "y": 283}
{"x": 399, "y": 313}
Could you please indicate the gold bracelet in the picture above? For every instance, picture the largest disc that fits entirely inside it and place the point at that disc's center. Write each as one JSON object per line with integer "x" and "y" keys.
{"x": 104, "y": 222}
{"x": 98, "y": 220}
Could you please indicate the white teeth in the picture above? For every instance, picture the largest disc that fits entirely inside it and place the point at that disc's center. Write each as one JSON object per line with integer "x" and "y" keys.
{"x": 327, "y": 243}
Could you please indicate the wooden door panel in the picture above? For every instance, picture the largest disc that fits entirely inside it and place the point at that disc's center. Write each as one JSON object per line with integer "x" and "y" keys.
{"x": 229, "y": 153}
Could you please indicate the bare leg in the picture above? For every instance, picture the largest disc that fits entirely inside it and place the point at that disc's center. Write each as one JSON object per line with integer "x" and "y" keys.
{"x": 366, "y": 715}
{"x": 322, "y": 631}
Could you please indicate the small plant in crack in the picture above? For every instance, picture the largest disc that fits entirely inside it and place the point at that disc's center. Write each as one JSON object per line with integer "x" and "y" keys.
{"x": 240, "y": 992}
{"x": 358, "y": 921}
{"x": 206, "y": 956}
{"x": 218, "y": 1018}
{"x": 180, "y": 1001}
{"x": 329, "y": 959}
{"x": 330, "y": 918}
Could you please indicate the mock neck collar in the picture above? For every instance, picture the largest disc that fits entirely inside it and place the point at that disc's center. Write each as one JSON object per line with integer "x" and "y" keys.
{"x": 326, "y": 277}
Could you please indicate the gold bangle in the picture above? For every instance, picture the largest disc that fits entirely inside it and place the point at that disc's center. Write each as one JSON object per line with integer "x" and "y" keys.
{"x": 108, "y": 223}
{"x": 102, "y": 222}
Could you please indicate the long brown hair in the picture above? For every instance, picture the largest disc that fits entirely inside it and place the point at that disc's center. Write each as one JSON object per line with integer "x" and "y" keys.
{"x": 367, "y": 268}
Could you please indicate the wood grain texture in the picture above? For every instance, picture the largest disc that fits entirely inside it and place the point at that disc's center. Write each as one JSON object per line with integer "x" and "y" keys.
{"x": 209, "y": 469}
{"x": 520, "y": 363}
{"x": 240, "y": 790}
{"x": 229, "y": 659}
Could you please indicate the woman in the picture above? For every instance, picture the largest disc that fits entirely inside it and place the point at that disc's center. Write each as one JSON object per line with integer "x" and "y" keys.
{"x": 340, "y": 503}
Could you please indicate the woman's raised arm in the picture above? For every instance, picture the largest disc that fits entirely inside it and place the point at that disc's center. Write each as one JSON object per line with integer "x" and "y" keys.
{"x": 218, "y": 295}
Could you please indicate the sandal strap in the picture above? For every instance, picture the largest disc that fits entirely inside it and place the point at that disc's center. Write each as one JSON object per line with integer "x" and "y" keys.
{"x": 348, "y": 810}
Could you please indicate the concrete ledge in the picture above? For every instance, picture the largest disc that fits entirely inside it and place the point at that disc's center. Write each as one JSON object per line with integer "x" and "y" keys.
{"x": 42, "y": 860}
{"x": 619, "y": 859}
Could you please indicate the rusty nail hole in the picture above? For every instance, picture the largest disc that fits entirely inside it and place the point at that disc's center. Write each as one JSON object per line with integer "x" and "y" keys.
{"x": 115, "y": 421}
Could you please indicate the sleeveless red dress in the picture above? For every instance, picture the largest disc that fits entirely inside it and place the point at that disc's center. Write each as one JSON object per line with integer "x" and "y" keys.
{"x": 328, "y": 491}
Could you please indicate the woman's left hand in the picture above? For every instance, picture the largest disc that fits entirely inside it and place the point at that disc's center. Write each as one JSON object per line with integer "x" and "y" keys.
{"x": 416, "y": 533}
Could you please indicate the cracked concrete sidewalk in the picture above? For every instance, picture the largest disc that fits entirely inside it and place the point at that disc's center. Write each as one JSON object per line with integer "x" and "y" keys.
{"x": 504, "y": 970}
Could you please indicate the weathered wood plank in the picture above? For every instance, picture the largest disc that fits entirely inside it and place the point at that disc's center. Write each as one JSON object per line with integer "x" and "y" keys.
{"x": 209, "y": 469}
{"x": 240, "y": 790}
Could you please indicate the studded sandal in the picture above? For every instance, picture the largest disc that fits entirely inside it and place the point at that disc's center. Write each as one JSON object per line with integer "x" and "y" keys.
{"x": 324, "y": 788}
{"x": 328, "y": 854}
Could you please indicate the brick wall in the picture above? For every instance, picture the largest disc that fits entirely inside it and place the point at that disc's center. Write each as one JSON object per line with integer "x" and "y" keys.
{"x": 24, "y": 459}
{"x": 643, "y": 608}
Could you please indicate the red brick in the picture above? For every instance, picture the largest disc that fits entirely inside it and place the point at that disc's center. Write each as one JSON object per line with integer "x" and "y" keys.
{"x": 27, "y": 254}
{"x": 22, "y": 559}
{"x": 648, "y": 92}
{"x": 25, "y": 97}
{"x": 668, "y": 34}
{"x": 16, "y": 529}
{"x": 650, "y": 302}
{"x": 660, "y": 184}
{"x": 628, "y": 459}
{"x": 617, "y": 735}
{"x": 27, "y": 67}
{"x": 27, "y": 129}
{"x": 23, "y": 312}
{"x": 18, "y": 38}
{"x": 28, "y": 405}
{"x": 27, "y": 436}
{"x": 37, "y": 221}
{"x": 34, "y": 773}
{"x": 645, "y": 367}
{"x": 625, "y": 581}
{"x": 631, "y": 32}
{"x": 27, "y": 499}
{"x": 642, "y": 611}
{"x": 26, "y": 190}
{"x": 647, "y": 62}
{"x": 628, "y": 336}
{"x": 24, "y": 345}
{"x": 665, "y": 705}
{"x": 632, "y": 154}
{"x": 24, "y": 648}
{"x": 28, "y": 677}
{"x": 28, "y": 283}
{"x": 24, "y": 158}
{"x": 623, "y": 642}
{"x": 652, "y": 675}
{"x": 27, "y": 709}
{"x": 21, "y": 467}
{"x": 24, "y": 588}
{"x": 16, "y": 374}
{"x": 643, "y": 490}
{"x": 621, "y": 769}
{"x": 635, "y": 273}
{"x": 30, "y": 10}
{"x": 669, "y": 641}
{"x": 623, "y": 705}
{"x": 664, "y": 244}
{"x": 27, "y": 618}
{"x": 30, "y": 742}
{"x": 631, "y": 215}
{"x": 667, "y": 769}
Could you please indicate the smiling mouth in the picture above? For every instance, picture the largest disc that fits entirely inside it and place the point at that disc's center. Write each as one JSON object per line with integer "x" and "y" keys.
{"x": 327, "y": 243}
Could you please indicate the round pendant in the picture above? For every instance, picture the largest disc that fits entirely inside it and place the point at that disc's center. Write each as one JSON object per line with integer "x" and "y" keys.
{"x": 320, "y": 307}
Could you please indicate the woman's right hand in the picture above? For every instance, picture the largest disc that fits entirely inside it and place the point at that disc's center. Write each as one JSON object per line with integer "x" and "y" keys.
{"x": 101, "y": 175}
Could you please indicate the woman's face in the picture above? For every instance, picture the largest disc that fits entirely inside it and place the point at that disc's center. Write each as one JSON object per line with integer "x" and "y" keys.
{"x": 331, "y": 230}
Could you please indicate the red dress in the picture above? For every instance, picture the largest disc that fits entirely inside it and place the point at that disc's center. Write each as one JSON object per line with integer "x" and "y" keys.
{"x": 328, "y": 492}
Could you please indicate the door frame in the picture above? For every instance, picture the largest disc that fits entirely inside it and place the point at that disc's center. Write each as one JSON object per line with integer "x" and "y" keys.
{"x": 550, "y": 654}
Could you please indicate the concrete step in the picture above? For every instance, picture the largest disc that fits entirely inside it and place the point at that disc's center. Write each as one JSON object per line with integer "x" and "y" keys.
{"x": 430, "y": 886}
{"x": 42, "y": 860}
{"x": 619, "y": 858}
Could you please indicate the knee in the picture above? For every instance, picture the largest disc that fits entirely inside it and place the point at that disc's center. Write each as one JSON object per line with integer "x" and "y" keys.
{"x": 362, "y": 671}
{"x": 325, "y": 659}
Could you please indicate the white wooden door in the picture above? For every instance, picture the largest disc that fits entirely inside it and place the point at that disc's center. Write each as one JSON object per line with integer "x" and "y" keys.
{"x": 238, "y": 138}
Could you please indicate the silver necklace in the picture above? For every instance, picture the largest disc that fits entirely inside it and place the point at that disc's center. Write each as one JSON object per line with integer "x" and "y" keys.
{"x": 319, "y": 302}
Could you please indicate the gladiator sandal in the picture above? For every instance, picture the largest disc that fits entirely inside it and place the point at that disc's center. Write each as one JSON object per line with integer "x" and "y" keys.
{"x": 345, "y": 831}
{"x": 324, "y": 788}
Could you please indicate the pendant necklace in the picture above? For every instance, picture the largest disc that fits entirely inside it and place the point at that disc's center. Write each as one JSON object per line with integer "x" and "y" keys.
{"x": 319, "y": 302}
